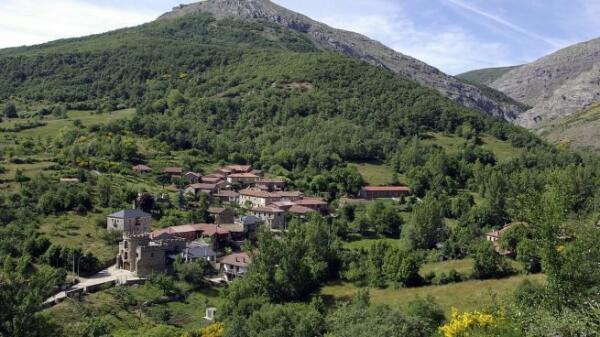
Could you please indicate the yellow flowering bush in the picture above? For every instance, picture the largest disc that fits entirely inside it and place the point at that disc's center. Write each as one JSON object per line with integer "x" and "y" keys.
{"x": 214, "y": 330}
{"x": 462, "y": 323}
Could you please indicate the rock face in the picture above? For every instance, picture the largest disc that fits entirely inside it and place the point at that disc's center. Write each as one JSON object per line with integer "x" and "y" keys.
{"x": 557, "y": 85}
{"x": 354, "y": 45}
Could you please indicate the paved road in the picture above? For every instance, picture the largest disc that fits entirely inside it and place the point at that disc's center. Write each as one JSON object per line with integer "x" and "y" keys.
{"x": 107, "y": 275}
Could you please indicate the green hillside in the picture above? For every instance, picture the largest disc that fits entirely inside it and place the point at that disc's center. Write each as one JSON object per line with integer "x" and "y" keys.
{"x": 485, "y": 76}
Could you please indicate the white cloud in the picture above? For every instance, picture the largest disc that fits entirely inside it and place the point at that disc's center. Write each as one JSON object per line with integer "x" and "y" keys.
{"x": 505, "y": 23}
{"x": 449, "y": 48}
{"x": 27, "y": 22}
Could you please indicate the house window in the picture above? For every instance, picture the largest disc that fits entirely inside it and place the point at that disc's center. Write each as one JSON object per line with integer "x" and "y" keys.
{"x": 125, "y": 256}
{"x": 125, "y": 244}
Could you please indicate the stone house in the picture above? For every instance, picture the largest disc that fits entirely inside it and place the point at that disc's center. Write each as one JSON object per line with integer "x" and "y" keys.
{"x": 129, "y": 221}
{"x": 272, "y": 184}
{"x": 142, "y": 255}
{"x": 173, "y": 171}
{"x": 228, "y": 197}
{"x": 197, "y": 189}
{"x": 288, "y": 195}
{"x": 256, "y": 198}
{"x": 192, "y": 177}
{"x": 317, "y": 204}
{"x": 272, "y": 217}
{"x": 244, "y": 179}
{"x": 222, "y": 215}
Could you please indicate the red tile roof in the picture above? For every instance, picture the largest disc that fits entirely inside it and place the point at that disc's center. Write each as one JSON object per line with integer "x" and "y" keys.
{"x": 227, "y": 193}
{"x": 253, "y": 192}
{"x": 211, "y": 229}
{"x": 202, "y": 186}
{"x": 298, "y": 209}
{"x": 312, "y": 202}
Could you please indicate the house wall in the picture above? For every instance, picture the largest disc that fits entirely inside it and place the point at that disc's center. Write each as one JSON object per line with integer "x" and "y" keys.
{"x": 226, "y": 217}
{"x": 131, "y": 226}
{"x": 256, "y": 201}
{"x": 151, "y": 260}
{"x": 272, "y": 220}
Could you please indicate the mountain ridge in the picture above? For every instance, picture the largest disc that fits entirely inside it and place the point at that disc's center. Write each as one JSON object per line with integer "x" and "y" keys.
{"x": 355, "y": 45}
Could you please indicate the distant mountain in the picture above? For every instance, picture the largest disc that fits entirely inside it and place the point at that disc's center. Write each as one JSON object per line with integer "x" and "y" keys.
{"x": 556, "y": 86}
{"x": 485, "y": 76}
{"x": 355, "y": 45}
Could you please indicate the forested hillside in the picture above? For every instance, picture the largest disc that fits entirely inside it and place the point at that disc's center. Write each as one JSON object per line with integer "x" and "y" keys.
{"x": 208, "y": 93}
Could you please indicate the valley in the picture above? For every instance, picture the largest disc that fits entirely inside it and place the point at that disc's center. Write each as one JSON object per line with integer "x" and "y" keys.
{"x": 267, "y": 175}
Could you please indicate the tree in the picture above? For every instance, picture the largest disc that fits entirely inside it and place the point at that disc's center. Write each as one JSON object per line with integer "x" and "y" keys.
{"x": 21, "y": 178}
{"x": 163, "y": 179}
{"x": 192, "y": 272}
{"x": 23, "y": 290}
{"x": 105, "y": 191}
{"x": 488, "y": 263}
{"x": 528, "y": 254}
{"x": 10, "y": 110}
{"x": 164, "y": 283}
{"x": 426, "y": 227}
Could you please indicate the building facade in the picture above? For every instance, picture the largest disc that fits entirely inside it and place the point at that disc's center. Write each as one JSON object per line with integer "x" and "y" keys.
{"x": 130, "y": 221}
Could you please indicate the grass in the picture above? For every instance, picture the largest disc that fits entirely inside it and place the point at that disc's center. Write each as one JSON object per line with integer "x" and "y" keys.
{"x": 54, "y": 125}
{"x": 452, "y": 144}
{"x": 187, "y": 314}
{"x": 464, "y": 267}
{"x": 465, "y": 296}
{"x": 375, "y": 174}
{"x": 78, "y": 231}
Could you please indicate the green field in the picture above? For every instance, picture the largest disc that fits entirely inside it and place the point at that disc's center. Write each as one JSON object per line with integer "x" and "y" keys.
{"x": 464, "y": 267}
{"x": 53, "y": 126}
{"x": 375, "y": 174}
{"x": 453, "y": 144}
{"x": 464, "y": 296}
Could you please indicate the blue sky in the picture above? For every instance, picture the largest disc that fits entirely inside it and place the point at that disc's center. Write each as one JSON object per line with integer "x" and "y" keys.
{"x": 453, "y": 35}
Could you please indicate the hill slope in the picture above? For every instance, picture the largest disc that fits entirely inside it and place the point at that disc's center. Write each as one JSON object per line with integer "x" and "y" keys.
{"x": 355, "y": 45}
{"x": 557, "y": 85}
{"x": 241, "y": 91}
{"x": 485, "y": 76}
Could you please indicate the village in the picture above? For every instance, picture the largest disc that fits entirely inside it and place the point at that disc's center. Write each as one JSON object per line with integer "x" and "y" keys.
{"x": 243, "y": 200}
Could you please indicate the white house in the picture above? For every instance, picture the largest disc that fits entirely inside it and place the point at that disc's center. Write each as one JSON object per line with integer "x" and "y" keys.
{"x": 234, "y": 265}
{"x": 256, "y": 198}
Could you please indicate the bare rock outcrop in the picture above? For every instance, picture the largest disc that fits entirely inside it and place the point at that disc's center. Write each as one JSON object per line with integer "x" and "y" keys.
{"x": 557, "y": 85}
